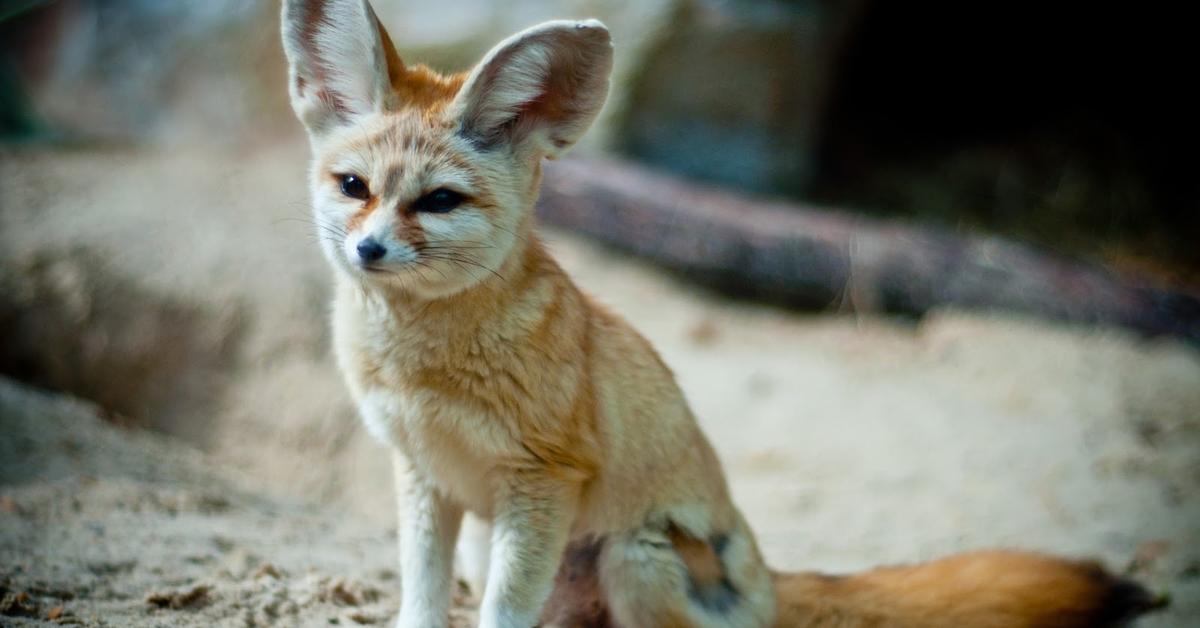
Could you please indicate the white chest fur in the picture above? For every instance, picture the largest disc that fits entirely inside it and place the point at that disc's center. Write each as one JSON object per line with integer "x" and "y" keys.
{"x": 447, "y": 440}
{"x": 450, "y": 445}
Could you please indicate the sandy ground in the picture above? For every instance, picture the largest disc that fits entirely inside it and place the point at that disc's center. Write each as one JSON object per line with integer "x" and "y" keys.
{"x": 110, "y": 527}
{"x": 180, "y": 292}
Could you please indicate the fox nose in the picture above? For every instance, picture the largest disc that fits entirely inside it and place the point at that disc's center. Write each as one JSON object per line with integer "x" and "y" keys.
{"x": 370, "y": 250}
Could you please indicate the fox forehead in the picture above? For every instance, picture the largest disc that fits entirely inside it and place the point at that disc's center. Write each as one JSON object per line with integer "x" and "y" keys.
{"x": 405, "y": 153}
{"x": 413, "y": 141}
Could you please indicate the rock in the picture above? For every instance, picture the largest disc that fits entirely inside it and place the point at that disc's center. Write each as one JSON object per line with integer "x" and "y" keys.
{"x": 143, "y": 70}
{"x": 732, "y": 93}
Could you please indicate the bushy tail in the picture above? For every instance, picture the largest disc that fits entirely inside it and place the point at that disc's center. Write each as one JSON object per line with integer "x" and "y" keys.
{"x": 992, "y": 589}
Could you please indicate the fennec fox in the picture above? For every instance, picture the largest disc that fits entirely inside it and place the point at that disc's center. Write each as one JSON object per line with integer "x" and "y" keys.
{"x": 505, "y": 391}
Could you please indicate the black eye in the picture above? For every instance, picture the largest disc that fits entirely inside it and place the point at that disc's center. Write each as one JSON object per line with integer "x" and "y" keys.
{"x": 354, "y": 187}
{"x": 438, "y": 201}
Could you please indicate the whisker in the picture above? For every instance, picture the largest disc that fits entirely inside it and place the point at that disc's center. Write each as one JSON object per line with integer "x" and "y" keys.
{"x": 464, "y": 261}
{"x": 432, "y": 267}
{"x": 456, "y": 242}
{"x": 513, "y": 233}
{"x": 453, "y": 248}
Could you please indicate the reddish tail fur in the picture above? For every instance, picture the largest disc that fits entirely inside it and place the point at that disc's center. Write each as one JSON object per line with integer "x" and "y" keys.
{"x": 990, "y": 589}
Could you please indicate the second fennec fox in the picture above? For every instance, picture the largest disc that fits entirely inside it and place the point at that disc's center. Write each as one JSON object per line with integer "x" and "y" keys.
{"x": 507, "y": 392}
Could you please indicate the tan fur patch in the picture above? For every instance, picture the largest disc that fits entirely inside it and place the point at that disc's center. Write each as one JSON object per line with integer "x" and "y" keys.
{"x": 422, "y": 88}
{"x": 359, "y": 216}
{"x": 701, "y": 560}
{"x": 408, "y": 228}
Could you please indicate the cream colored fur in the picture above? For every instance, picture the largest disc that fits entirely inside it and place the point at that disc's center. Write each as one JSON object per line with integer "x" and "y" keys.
{"x": 501, "y": 388}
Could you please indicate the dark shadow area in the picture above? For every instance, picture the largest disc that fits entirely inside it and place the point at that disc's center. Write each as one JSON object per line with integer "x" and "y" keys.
{"x": 1065, "y": 124}
{"x": 68, "y": 324}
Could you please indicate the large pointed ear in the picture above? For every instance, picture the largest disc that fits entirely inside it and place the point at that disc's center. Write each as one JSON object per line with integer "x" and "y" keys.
{"x": 539, "y": 89}
{"x": 341, "y": 63}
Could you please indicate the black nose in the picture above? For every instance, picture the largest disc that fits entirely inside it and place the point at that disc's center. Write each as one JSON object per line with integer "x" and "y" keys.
{"x": 370, "y": 250}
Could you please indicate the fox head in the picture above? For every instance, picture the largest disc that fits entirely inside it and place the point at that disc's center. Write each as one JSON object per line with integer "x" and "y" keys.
{"x": 426, "y": 182}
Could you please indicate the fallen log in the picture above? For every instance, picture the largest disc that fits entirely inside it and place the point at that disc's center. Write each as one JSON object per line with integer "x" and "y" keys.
{"x": 820, "y": 259}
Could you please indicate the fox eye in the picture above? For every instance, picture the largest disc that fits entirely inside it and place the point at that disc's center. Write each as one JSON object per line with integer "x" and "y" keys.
{"x": 438, "y": 201}
{"x": 354, "y": 187}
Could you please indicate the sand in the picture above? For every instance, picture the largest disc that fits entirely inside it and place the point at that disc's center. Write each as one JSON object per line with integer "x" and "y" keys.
{"x": 218, "y": 475}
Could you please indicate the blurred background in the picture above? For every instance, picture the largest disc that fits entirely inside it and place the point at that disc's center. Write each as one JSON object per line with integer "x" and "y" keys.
{"x": 928, "y": 271}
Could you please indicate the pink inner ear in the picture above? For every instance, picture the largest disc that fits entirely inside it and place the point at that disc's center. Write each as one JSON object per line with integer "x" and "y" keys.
{"x": 329, "y": 98}
{"x": 313, "y": 15}
{"x": 336, "y": 104}
{"x": 573, "y": 86}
